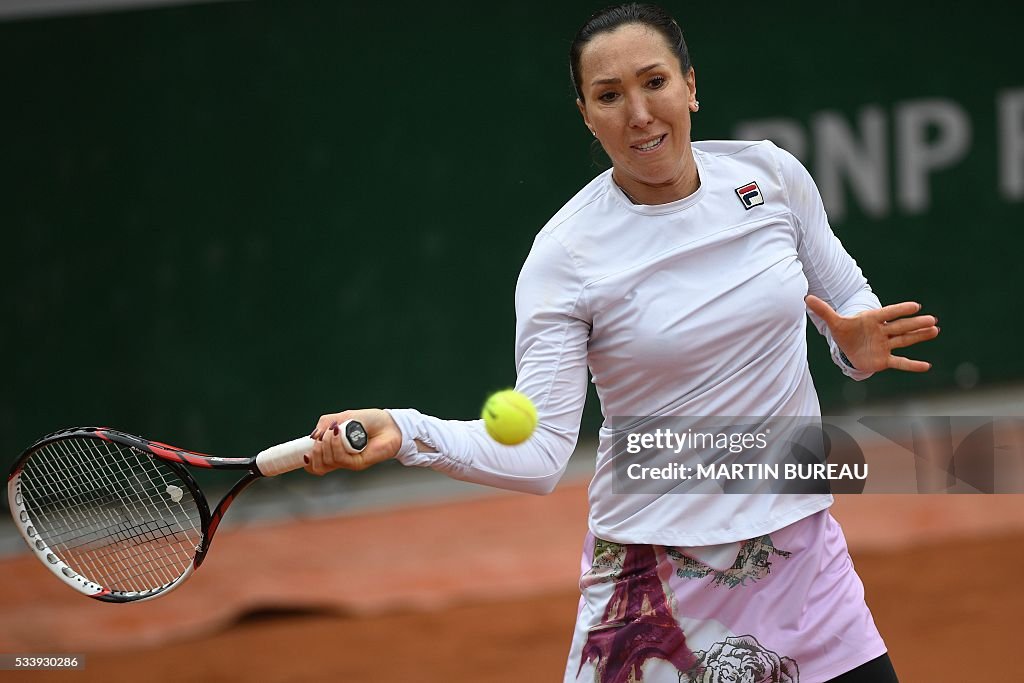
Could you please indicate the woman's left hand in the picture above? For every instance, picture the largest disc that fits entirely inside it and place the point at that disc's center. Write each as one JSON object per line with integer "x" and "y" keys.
{"x": 869, "y": 337}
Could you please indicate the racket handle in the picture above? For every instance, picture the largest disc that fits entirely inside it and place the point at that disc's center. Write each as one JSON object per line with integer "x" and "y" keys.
{"x": 288, "y": 456}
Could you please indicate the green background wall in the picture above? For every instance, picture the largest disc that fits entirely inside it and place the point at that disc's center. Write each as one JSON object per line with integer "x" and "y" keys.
{"x": 223, "y": 220}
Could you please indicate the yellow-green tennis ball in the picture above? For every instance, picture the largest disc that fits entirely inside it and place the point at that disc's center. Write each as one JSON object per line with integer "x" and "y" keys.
{"x": 510, "y": 417}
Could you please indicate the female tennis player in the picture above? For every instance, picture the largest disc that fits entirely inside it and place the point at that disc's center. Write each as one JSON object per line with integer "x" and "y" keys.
{"x": 682, "y": 278}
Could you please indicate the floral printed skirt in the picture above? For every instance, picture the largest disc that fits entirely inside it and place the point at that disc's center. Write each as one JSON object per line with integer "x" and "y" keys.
{"x": 790, "y": 609}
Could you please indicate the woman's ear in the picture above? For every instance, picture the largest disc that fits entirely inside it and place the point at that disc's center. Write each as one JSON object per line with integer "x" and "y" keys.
{"x": 691, "y": 87}
{"x": 586, "y": 119}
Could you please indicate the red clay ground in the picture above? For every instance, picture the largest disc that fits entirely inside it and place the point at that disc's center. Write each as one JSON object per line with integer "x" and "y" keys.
{"x": 394, "y": 597}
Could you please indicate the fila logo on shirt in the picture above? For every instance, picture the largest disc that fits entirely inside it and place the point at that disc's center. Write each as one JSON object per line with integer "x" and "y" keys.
{"x": 750, "y": 195}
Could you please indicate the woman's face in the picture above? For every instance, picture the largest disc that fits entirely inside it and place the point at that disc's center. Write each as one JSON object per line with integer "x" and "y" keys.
{"x": 638, "y": 102}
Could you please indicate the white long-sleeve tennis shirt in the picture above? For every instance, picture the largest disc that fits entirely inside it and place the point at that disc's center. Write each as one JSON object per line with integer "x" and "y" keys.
{"x": 691, "y": 308}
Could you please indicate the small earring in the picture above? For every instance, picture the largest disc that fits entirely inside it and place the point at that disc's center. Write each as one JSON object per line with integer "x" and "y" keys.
{"x": 593, "y": 132}
{"x": 696, "y": 106}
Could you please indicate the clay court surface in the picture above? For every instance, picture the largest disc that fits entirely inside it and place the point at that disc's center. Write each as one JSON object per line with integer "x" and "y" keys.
{"x": 484, "y": 590}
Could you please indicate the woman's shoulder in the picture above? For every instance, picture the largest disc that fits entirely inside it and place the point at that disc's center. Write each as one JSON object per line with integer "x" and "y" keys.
{"x": 740, "y": 150}
{"x": 751, "y": 157}
{"x": 580, "y": 205}
{"x": 755, "y": 152}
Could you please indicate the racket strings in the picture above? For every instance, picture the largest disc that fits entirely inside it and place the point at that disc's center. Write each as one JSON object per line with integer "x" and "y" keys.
{"x": 119, "y": 556}
{"x": 125, "y": 530}
{"x": 133, "y": 526}
{"x": 115, "y": 515}
{"x": 81, "y": 539}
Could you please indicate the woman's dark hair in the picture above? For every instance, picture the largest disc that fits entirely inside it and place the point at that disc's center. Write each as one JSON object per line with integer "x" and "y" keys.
{"x": 611, "y": 18}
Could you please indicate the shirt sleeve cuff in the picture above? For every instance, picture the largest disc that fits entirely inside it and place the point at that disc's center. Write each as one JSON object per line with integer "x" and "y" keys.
{"x": 845, "y": 365}
{"x": 408, "y": 420}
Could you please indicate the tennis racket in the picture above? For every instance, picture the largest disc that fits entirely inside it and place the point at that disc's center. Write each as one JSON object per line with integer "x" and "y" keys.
{"x": 119, "y": 518}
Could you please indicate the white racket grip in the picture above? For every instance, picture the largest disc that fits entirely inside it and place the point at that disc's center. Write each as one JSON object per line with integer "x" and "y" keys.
{"x": 284, "y": 457}
{"x": 288, "y": 456}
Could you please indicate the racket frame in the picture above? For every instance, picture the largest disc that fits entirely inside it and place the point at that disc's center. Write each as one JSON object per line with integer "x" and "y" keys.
{"x": 174, "y": 457}
{"x": 270, "y": 462}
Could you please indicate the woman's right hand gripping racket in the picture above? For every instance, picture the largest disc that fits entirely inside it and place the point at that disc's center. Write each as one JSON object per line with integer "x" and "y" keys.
{"x": 119, "y": 518}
